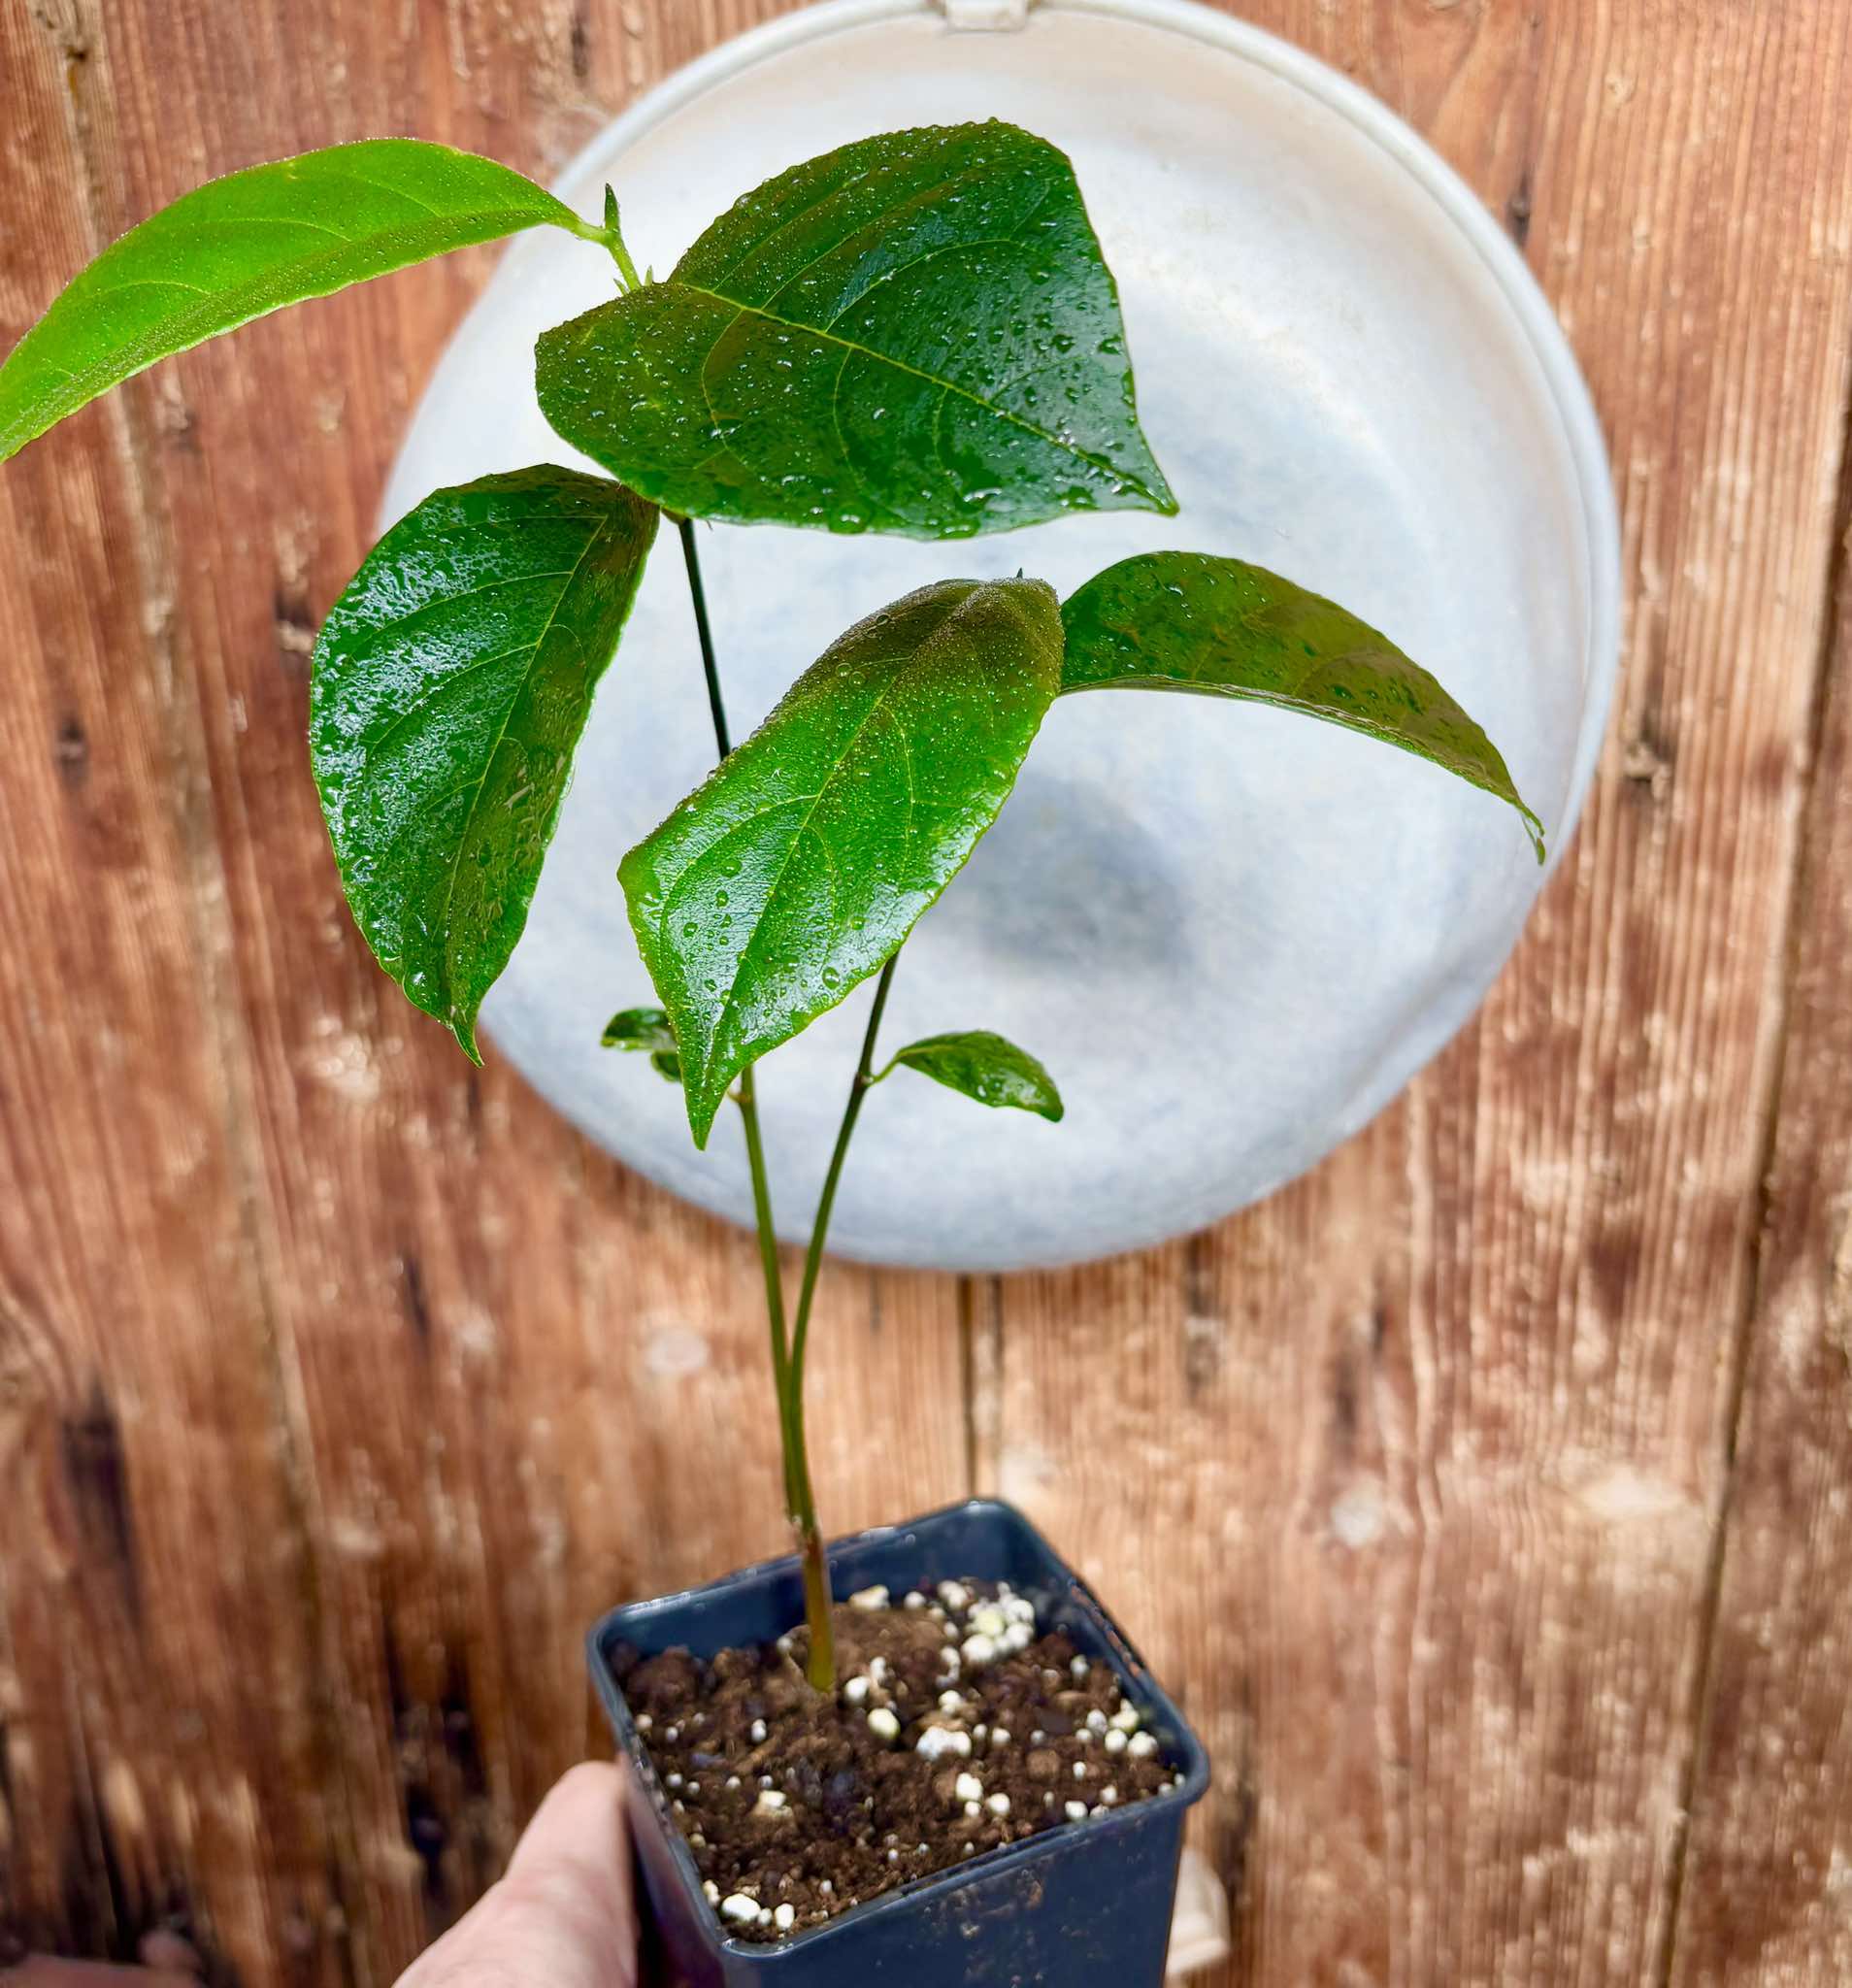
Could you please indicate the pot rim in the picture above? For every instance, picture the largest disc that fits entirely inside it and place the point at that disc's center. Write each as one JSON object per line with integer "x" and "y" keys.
{"x": 1135, "y": 1680}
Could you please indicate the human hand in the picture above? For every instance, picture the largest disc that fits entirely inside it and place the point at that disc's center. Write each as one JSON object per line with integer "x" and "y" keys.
{"x": 564, "y": 1915}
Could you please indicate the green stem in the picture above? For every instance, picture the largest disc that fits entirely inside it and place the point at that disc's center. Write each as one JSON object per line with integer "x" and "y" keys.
{"x": 860, "y": 1085}
{"x": 608, "y": 236}
{"x": 746, "y": 1096}
{"x": 800, "y": 1501}
{"x": 816, "y": 1581}
{"x": 748, "y": 1102}
{"x": 691, "y": 558}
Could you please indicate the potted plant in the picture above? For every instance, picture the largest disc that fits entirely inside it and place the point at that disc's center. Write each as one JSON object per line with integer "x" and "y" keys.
{"x": 930, "y": 1755}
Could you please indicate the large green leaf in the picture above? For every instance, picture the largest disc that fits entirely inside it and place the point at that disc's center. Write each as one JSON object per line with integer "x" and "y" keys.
{"x": 1190, "y": 621}
{"x": 802, "y": 864}
{"x": 987, "y": 1067}
{"x": 451, "y": 683}
{"x": 914, "y": 334}
{"x": 250, "y": 242}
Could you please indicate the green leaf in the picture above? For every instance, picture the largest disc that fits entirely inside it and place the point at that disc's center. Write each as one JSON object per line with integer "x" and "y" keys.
{"x": 451, "y": 683}
{"x": 639, "y": 1028}
{"x": 1189, "y": 621}
{"x": 804, "y": 861}
{"x": 250, "y": 242}
{"x": 645, "y": 1028}
{"x": 916, "y": 333}
{"x": 986, "y": 1067}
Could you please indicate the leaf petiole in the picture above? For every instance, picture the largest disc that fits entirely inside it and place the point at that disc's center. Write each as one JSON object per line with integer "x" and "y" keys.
{"x": 610, "y": 236}
{"x": 859, "y": 1086}
{"x": 797, "y": 1448}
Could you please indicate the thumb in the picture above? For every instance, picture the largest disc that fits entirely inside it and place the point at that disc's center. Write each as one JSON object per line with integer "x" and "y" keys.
{"x": 564, "y": 1915}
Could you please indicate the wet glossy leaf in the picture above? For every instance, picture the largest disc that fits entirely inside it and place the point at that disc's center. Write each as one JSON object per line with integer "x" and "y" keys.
{"x": 250, "y": 242}
{"x": 639, "y": 1028}
{"x": 451, "y": 683}
{"x": 916, "y": 333}
{"x": 1188, "y": 622}
{"x": 648, "y": 1029}
{"x": 806, "y": 858}
{"x": 986, "y": 1067}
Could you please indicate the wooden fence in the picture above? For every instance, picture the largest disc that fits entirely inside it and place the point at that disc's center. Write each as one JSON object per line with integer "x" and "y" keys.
{"x": 1489, "y": 1493}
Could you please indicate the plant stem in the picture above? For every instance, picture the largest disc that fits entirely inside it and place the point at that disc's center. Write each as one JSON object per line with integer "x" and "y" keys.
{"x": 622, "y": 256}
{"x": 800, "y": 1501}
{"x": 691, "y": 558}
{"x": 816, "y": 1580}
{"x": 748, "y": 1105}
{"x": 608, "y": 236}
{"x": 860, "y": 1085}
{"x": 746, "y": 1096}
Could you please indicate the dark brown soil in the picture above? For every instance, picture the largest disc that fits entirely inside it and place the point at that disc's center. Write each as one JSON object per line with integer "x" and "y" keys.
{"x": 797, "y": 1807}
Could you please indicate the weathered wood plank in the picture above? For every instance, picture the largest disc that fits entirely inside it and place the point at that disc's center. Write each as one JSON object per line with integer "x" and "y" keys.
{"x": 1421, "y": 1463}
{"x": 159, "y": 1743}
{"x": 1435, "y": 1441}
{"x": 1767, "y": 1893}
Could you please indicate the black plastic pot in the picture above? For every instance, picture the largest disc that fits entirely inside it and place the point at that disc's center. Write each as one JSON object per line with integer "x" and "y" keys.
{"x": 1084, "y": 1905}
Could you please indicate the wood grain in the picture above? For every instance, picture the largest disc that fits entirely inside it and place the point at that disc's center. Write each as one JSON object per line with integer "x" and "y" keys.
{"x": 158, "y": 1718}
{"x": 1423, "y": 1461}
{"x": 508, "y": 1375}
{"x": 1767, "y": 1895}
{"x": 1486, "y": 1492}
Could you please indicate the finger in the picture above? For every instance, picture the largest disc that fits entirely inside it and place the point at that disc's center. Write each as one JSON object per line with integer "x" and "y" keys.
{"x": 580, "y": 1830}
{"x": 164, "y": 1952}
{"x": 564, "y": 1913}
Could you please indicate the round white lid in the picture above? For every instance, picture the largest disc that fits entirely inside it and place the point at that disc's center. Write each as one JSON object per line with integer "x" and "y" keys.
{"x": 1231, "y": 934}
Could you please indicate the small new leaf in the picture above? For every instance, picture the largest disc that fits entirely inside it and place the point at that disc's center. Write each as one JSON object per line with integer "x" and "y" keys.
{"x": 804, "y": 861}
{"x": 914, "y": 334}
{"x": 250, "y": 242}
{"x": 639, "y": 1028}
{"x": 986, "y": 1067}
{"x": 1189, "y": 621}
{"x": 450, "y": 686}
{"x": 645, "y": 1028}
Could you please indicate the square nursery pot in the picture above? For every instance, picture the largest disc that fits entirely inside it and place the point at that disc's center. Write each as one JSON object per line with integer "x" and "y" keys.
{"x": 1083, "y": 1906}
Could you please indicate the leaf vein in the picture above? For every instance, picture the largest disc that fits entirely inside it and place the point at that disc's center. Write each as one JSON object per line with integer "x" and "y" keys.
{"x": 948, "y": 386}
{"x": 593, "y": 538}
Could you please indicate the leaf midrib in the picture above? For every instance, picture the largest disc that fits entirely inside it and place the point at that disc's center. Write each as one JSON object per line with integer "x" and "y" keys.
{"x": 876, "y": 707}
{"x": 601, "y": 529}
{"x": 1461, "y": 767}
{"x": 195, "y": 325}
{"x": 946, "y": 387}
{"x": 811, "y": 804}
